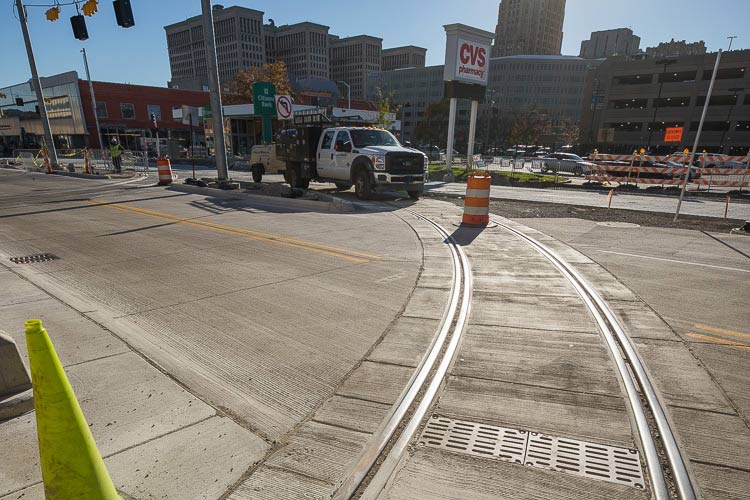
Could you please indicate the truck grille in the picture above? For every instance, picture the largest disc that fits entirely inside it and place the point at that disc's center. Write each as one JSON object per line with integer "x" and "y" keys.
{"x": 404, "y": 163}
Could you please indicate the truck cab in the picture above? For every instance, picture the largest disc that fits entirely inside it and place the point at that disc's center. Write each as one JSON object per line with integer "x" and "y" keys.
{"x": 369, "y": 158}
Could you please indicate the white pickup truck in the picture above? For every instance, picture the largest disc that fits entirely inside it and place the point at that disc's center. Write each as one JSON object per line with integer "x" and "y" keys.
{"x": 369, "y": 158}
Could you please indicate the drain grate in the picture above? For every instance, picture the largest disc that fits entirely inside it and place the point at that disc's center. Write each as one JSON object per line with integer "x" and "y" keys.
{"x": 571, "y": 456}
{"x": 31, "y": 259}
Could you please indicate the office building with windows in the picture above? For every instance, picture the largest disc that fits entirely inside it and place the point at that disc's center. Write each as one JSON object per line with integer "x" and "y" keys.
{"x": 407, "y": 56}
{"x": 352, "y": 59}
{"x": 629, "y": 104}
{"x": 302, "y": 46}
{"x": 616, "y": 42}
{"x": 529, "y": 27}
{"x": 240, "y": 44}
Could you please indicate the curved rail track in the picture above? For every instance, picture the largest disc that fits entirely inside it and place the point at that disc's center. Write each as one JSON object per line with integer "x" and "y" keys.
{"x": 376, "y": 465}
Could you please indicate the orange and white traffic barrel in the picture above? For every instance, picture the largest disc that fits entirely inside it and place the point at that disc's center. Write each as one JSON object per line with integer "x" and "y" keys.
{"x": 477, "y": 202}
{"x": 86, "y": 166}
{"x": 164, "y": 167}
{"x": 47, "y": 164}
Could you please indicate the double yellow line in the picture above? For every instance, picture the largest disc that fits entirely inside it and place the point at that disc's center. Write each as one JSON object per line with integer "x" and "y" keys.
{"x": 274, "y": 239}
{"x": 719, "y": 340}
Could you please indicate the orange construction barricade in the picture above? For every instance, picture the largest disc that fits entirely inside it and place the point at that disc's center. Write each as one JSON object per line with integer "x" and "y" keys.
{"x": 165, "y": 171}
{"x": 477, "y": 202}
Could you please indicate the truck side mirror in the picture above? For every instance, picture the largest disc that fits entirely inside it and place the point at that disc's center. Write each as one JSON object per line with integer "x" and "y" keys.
{"x": 347, "y": 147}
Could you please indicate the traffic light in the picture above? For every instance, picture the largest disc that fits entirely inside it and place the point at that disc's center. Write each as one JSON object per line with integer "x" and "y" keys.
{"x": 153, "y": 120}
{"x": 53, "y": 14}
{"x": 124, "y": 13}
{"x": 79, "y": 27}
{"x": 90, "y": 7}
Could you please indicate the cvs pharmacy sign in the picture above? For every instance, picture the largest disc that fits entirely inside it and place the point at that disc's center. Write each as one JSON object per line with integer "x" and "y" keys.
{"x": 472, "y": 61}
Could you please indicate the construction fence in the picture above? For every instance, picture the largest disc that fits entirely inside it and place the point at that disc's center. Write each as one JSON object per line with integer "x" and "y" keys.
{"x": 99, "y": 160}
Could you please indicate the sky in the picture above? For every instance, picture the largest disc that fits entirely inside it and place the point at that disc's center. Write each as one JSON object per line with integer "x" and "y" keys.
{"x": 138, "y": 55}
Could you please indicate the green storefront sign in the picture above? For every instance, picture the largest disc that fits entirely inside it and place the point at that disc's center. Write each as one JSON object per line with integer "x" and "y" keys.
{"x": 264, "y": 104}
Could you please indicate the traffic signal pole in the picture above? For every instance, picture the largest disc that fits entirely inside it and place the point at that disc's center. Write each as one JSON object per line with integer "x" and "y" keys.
{"x": 37, "y": 84}
{"x": 217, "y": 113}
{"x": 93, "y": 99}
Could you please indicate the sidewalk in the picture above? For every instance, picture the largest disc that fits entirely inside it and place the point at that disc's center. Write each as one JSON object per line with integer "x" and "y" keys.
{"x": 157, "y": 439}
{"x": 581, "y": 197}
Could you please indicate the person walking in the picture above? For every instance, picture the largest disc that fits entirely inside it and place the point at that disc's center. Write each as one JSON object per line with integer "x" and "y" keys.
{"x": 116, "y": 150}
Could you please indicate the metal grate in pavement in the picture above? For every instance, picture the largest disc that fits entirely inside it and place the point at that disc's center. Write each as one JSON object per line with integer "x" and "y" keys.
{"x": 607, "y": 463}
{"x": 31, "y": 259}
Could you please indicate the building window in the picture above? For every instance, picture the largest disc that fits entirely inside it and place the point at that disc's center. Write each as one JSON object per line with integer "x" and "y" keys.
{"x": 710, "y": 126}
{"x": 155, "y": 109}
{"x": 127, "y": 111}
{"x": 101, "y": 110}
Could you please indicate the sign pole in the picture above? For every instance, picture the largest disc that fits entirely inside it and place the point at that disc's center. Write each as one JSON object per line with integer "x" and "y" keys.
{"x": 451, "y": 134}
{"x": 472, "y": 132}
{"x": 217, "y": 112}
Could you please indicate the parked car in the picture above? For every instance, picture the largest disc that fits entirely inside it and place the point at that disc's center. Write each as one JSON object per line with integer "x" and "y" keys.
{"x": 566, "y": 162}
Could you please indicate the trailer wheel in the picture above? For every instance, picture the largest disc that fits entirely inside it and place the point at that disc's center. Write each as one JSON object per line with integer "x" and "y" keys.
{"x": 362, "y": 184}
{"x": 294, "y": 178}
{"x": 257, "y": 174}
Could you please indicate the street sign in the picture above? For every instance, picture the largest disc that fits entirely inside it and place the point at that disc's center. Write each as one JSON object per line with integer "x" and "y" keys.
{"x": 264, "y": 102}
{"x": 284, "y": 107}
{"x": 673, "y": 134}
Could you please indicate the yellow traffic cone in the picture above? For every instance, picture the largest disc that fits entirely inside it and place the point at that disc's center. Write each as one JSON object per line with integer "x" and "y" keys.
{"x": 72, "y": 467}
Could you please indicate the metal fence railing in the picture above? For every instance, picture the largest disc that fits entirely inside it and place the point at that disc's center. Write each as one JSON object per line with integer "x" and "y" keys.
{"x": 100, "y": 160}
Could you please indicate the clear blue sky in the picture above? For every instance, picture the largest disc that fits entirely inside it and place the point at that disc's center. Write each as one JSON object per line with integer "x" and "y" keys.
{"x": 139, "y": 54}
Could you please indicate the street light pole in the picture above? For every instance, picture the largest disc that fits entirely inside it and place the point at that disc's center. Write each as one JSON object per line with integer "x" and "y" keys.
{"x": 665, "y": 62}
{"x": 348, "y": 93}
{"x": 37, "y": 84}
{"x": 93, "y": 99}
{"x": 217, "y": 113}
{"x": 698, "y": 135}
{"x": 729, "y": 116}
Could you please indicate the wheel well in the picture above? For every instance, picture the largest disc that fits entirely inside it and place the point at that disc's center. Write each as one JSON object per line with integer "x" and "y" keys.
{"x": 360, "y": 163}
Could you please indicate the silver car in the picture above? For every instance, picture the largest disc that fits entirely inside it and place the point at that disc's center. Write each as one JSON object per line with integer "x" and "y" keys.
{"x": 566, "y": 162}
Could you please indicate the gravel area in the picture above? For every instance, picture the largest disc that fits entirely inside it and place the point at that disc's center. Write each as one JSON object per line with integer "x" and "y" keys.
{"x": 514, "y": 209}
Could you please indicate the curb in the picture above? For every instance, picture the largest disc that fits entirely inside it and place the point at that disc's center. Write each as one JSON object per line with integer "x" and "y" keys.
{"x": 326, "y": 203}
{"x": 81, "y": 176}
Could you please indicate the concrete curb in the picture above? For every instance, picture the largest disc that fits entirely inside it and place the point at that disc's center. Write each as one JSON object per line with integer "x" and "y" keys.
{"x": 327, "y": 203}
{"x": 81, "y": 176}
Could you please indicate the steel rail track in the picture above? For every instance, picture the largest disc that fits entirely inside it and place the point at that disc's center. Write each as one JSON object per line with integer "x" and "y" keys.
{"x": 454, "y": 320}
{"x": 634, "y": 377}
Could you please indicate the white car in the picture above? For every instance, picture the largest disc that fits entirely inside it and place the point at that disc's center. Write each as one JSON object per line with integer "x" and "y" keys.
{"x": 566, "y": 162}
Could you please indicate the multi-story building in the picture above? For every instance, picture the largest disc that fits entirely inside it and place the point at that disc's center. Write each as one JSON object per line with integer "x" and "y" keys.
{"x": 123, "y": 110}
{"x": 529, "y": 27}
{"x": 413, "y": 90}
{"x": 407, "y": 56}
{"x": 616, "y": 42}
{"x": 676, "y": 48}
{"x": 239, "y": 44}
{"x": 629, "y": 104}
{"x": 352, "y": 59}
{"x": 302, "y": 46}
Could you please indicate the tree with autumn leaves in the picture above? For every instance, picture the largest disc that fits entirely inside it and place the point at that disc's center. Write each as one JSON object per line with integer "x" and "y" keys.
{"x": 241, "y": 87}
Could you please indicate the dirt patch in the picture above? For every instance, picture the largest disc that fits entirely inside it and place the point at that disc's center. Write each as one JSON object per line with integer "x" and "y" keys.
{"x": 516, "y": 209}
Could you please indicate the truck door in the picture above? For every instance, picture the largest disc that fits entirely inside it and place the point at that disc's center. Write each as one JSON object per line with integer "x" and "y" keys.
{"x": 325, "y": 154}
{"x": 342, "y": 155}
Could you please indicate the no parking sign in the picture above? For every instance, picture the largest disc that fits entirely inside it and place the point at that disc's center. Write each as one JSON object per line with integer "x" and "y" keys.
{"x": 284, "y": 107}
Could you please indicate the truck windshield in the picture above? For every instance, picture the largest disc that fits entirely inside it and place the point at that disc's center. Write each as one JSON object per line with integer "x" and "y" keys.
{"x": 369, "y": 137}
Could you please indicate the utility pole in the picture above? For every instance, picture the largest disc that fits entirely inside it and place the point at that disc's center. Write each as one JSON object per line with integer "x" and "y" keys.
{"x": 348, "y": 93}
{"x": 93, "y": 99}
{"x": 217, "y": 113}
{"x": 37, "y": 84}
{"x": 698, "y": 135}
{"x": 731, "y": 39}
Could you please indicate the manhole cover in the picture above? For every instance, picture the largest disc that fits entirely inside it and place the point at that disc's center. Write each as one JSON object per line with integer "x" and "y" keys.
{"x": 32, "y": 259}
{"x": 618, "y": 224}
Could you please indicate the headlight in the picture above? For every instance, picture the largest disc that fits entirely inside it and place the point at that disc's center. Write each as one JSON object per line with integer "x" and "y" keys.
{"x": 378, "y": 161}
{"x": 426, "y": 163}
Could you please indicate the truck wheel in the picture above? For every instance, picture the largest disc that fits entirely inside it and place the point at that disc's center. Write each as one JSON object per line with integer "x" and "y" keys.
{"x": 414, "y": 195}
{"x": 257, "y": 174}
{"x": 295, "y": 180}
{"x": 343, "y": 186}
{"x": 362, "y": 185}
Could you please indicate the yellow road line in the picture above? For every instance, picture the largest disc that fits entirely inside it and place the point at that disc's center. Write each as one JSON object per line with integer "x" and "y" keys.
{"x": 250, "y": 231}
{"x": 717, "y": 340}
{"x": 722, "y": 331}
{"x": 236, "y": 233}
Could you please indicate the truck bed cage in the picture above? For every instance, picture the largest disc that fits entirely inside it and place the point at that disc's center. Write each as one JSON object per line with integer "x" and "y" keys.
{"x": 319, "y": 117}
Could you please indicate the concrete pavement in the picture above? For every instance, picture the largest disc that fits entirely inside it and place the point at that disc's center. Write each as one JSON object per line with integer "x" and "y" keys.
{"x": 291, "y": 332}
